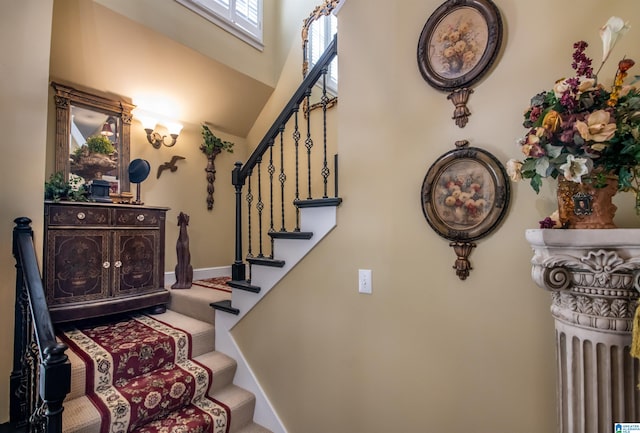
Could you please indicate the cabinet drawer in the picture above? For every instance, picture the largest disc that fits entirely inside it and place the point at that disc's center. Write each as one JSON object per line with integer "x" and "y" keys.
{"x": 77, "y": 216}
{"x": 138, "y": 217}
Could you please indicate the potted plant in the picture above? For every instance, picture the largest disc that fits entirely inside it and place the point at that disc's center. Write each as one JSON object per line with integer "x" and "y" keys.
{"x": 585, "y": 135}
{"x": 213, "y": 144}
{"x": 57, "y": 188}
{"x": 94, "y": 158}
{"x": 211, "y": 147}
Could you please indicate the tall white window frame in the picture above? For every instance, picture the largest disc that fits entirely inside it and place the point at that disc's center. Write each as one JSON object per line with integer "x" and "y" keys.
{"x": 242, "y": 18}
{"x": 321, "y": 33}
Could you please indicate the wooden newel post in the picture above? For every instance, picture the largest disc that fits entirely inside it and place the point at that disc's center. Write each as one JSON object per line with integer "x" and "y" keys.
{"x": 184, "y": 270}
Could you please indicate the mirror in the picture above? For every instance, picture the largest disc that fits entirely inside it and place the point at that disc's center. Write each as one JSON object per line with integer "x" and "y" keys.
{"x": 92, "y": 137}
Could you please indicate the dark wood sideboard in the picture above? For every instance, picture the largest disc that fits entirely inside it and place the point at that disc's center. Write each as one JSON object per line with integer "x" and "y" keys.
{"x": 102, "y": 259}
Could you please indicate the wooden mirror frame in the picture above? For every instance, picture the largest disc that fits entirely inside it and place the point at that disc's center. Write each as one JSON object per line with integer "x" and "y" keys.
{"x": 324, "y": 10}
{"x": 65, "y": 97}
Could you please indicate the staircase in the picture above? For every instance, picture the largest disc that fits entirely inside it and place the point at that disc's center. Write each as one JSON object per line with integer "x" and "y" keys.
{"x": 189, "y": 311}
{"x": 233, "y": 384}
{"x": 48, "y": 389}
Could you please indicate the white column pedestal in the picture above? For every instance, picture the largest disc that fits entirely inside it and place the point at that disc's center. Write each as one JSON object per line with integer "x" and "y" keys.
{"x": 593, "y": 276}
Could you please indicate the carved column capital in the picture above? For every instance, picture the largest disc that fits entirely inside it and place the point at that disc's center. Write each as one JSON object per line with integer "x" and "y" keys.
{"x": 593, "y": 275}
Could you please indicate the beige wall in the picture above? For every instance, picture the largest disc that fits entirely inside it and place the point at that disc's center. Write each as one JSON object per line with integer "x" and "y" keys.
{"x": 25, "y": 35}
{"x": 426, "y": 352}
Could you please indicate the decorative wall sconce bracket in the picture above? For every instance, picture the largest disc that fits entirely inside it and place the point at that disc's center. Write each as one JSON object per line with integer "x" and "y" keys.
{"x": 157, "y": 139}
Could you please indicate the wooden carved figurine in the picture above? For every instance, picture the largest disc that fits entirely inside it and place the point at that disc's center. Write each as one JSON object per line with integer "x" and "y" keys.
{"x": 184, "y": 270}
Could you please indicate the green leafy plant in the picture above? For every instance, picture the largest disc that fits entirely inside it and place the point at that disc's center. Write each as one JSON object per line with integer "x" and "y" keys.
{"x": 97, "y": 144}
{"x": 57, "y": 188}
{"x": 213, "y": 144}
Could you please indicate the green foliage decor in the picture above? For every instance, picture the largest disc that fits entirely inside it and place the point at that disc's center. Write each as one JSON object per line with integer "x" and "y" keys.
{"x": 57, "y": 188}
{"x": 213, "y": 144}
{"x": 97, "y": 144}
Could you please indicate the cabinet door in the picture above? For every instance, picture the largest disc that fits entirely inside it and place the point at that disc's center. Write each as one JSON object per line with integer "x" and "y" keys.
{"x": 80, "y": 270}
{"x": 136, "y": 261}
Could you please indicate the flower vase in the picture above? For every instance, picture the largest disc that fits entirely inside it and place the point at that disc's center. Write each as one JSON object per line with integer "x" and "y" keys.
{"x": 585, "y": 205}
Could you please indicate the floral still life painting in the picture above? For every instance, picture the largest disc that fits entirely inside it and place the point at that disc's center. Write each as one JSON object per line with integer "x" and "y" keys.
{"x": 464, "y": 194}
{"x": 458, "y": 42}
{"x": 584, "y": 129}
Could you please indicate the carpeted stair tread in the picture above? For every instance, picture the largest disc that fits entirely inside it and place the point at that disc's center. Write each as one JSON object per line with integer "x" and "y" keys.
{"x": 223, "y": 369}
{"x": 202, "y": 333}
{"x": 195, "y": 302}
{"x": 202, "y": 336}
{"x": 240, "y": 401}
{"x": 80, "y": 416}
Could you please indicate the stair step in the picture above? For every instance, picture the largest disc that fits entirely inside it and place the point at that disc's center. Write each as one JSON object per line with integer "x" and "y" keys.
{"x": 241, "y": 403}
{"x": 291, "y": 235}
{"x": 318, "y": 202}
{"x": 202, "y": 340}
{"x": 225, "y": 306}
{"x": 265, "y": 261}
{"x": 81, "y": 416}
{"x": 243, "y": 285}
{"x": 223, "y": 369}
{"x": 194, "y": 302}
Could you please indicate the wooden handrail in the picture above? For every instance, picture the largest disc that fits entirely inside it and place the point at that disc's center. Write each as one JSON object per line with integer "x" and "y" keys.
{"x": 53, "y": 379}
{"x": 242, "y": 172}
{"x": 288, "y": 110}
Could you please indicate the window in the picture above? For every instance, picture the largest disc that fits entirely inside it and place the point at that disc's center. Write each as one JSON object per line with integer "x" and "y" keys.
{"x": 242, "y": 18}
{"x": 321, "y": 34}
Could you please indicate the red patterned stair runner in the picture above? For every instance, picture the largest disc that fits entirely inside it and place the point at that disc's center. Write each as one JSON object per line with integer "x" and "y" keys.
{"x": 141, "y": 378}
{"x": 217, "y": 283}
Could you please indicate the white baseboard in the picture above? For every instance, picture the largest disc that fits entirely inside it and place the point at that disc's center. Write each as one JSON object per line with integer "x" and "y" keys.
{"x": 199, "y": 274}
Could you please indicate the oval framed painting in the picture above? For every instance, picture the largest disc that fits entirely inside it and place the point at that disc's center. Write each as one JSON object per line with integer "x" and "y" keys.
{"x": 465, "y": 193}
{"x": 459, "y": 43}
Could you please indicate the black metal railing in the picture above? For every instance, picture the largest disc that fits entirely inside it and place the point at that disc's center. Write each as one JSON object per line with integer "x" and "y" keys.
{"x": 41, "y": 375}
{"x": 277, "y": 156}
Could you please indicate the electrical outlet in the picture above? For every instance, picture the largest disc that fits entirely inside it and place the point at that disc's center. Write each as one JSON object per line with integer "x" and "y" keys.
{"x": 364, "y": 281}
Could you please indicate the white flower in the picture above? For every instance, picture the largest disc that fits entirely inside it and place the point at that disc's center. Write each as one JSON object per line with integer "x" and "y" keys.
{"x": 610, "y": 33}
{"x": 514, "y": 170}
{"x": 574, "y": 168}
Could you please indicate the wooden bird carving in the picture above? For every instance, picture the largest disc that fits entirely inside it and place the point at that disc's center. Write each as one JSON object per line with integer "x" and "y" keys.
{"x": 170, "y": 165}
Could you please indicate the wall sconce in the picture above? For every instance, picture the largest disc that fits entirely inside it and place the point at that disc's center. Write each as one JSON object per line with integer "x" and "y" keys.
{"x": 149, "y": 123}
{"x": 107, "y": 129}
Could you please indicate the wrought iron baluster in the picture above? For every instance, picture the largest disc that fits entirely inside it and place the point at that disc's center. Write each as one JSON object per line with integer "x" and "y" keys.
{"x": 271, "y": 170}
{"x": 282, "y": 178}
{"x": 260, "y": 207}
{"x": 325, "y": 168}
{"x": 308, "y": 143}
{"x": 249, "y": 199}
{"x": 296, "y": 140}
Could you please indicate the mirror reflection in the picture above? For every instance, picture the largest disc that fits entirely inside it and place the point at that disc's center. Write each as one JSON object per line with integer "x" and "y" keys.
{"x": 92, "y": 137}
{"x": 93, "y": 145}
